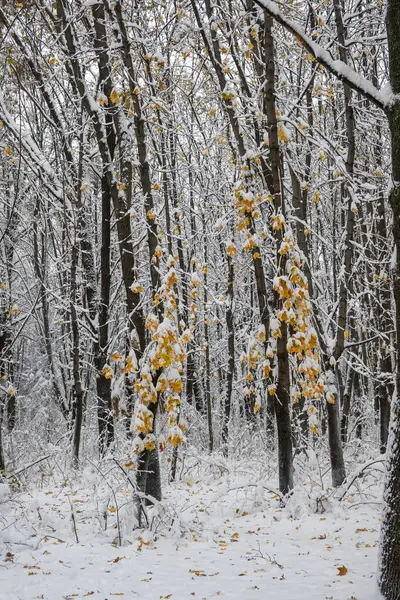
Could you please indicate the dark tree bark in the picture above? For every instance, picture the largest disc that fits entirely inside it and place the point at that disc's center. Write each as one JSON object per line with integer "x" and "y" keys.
{"x": 148, "y": 460}
{"x": 389, "y": 572}
{"x": 282, "y": 401}
{"x": 344, "y": 423}
{"x": 76, "y": 367}
{"x": 231, "y": 353}
{"x": 103, "y": 384}
{"x": 208, "y": 397}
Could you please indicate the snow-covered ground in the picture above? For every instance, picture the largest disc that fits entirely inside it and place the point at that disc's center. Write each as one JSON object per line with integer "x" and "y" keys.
{"x": 221, "y": 536}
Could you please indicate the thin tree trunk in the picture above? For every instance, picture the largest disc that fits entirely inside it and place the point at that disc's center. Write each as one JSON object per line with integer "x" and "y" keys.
{"x": 231, "y": 353}
{"x": 344, "y": 424}
{"x": 76, "y": 371}
{"x": 207, "y": 348}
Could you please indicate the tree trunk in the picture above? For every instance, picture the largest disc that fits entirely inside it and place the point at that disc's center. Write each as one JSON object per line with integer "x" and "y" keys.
{"x": 76, "y": 371}
{"x": 282, "y": 398}
{"x": 389, "y": 561}
{"x": 344, "y": 423}
{"x": 231, "y": 353}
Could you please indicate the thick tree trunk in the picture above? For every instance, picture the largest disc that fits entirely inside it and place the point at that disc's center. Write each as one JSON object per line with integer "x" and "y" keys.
{"x": 389, "y": 566}
{"x": 103, "y": 384}
{"x": 282, "y": 399}
{"x": 333, "y": 410}
{"x": 151, "y": 479}
{"x": 2, "y": 461}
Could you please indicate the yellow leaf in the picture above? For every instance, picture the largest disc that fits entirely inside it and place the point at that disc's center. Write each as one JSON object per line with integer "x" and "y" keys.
{"x": 115, "y": 97}
{"x": 117, "y": 559}
{"x": 198, "y": 572}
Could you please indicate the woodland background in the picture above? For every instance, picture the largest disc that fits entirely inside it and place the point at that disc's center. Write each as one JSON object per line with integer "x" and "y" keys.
{"x": 196, "y": 249}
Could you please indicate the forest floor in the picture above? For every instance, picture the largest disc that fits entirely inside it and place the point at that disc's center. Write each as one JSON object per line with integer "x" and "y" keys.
{"x": 218, "y": 536}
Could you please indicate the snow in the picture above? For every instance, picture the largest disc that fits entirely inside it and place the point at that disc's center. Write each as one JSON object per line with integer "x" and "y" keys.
{"x": 195, "y": 280}
{"x": 382, "y": 98}
{"x": 222, "y": 535}
{"x": 173, "y": 374}
{"x": 30, "y": 146}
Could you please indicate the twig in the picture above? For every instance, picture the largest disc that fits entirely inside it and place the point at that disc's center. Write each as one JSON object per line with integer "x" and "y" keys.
{"x": 39, "y": 460}
{"x": 356, "y": 474}
{"x": 73, "y": 519}
{"x": 115, "y": 500}
{"x": 137, "y": 495}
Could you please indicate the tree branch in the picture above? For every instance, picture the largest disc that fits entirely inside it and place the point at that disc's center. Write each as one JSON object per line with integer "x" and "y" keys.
{"x": 338, "y": 68}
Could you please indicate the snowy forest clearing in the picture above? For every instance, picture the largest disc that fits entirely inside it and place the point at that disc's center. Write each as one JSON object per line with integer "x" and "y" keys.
{"x": 218, "y": 536}
{"x": 200, "y": 298}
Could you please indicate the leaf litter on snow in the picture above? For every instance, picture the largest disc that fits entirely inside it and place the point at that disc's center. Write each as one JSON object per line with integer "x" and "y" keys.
{"x": 221, "y": 530}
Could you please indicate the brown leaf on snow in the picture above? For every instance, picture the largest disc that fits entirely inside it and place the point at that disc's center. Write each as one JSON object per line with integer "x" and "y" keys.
{"x": 342, "y": 571}
{"x": 361, "y": 530}
{"x": 117, "y": 559}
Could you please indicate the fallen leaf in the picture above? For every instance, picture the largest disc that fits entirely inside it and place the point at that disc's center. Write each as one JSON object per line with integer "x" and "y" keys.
{"x": 342, "y": 571}
{"x": 117, "y": 559}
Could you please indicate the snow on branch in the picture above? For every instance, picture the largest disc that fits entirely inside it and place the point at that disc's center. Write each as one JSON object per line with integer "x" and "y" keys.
{"x": 338, "y": 68}
{"x": 38, "y": 162}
